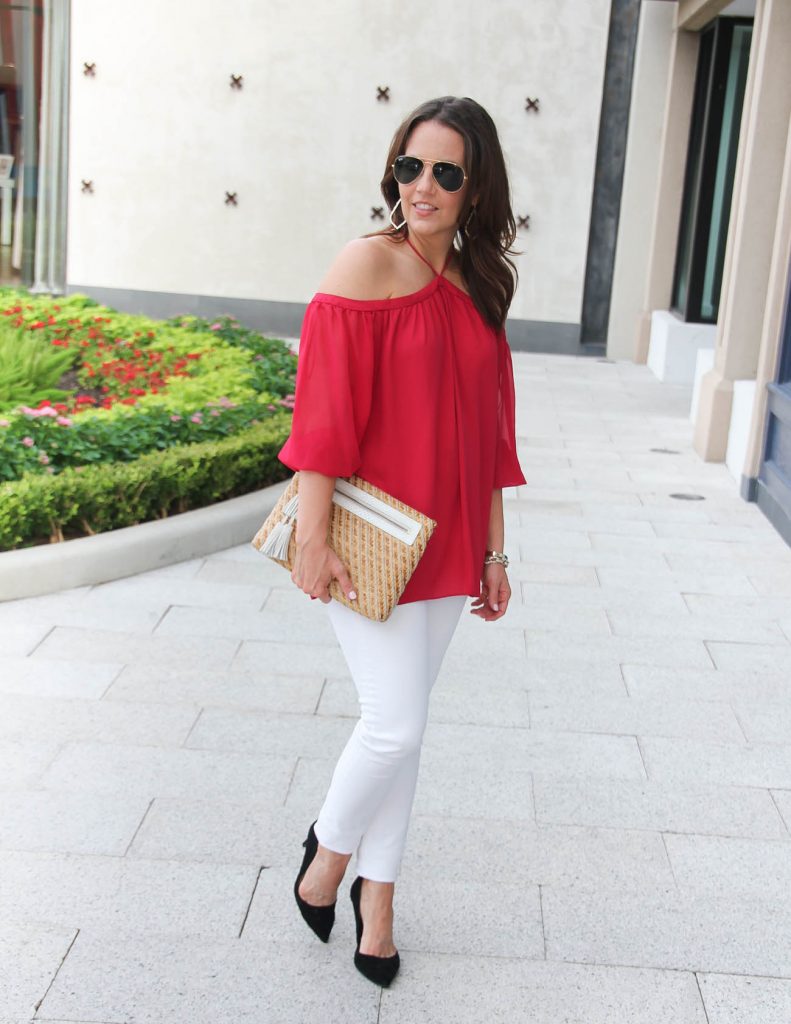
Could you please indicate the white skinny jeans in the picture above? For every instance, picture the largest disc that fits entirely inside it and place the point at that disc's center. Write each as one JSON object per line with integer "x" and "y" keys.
{"x": 394, "y": 665}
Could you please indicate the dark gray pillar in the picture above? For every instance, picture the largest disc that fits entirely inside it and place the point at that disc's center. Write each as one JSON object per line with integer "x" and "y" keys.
{"x": 608, "y": 181}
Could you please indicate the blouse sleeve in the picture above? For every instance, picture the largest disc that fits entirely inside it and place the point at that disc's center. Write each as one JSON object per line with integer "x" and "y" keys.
{"x": 508, "y": 472}
{"x": 332, "y": 397}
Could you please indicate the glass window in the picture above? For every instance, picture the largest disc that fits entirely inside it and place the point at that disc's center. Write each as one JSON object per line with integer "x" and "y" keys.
{"x": 711, "y": 164}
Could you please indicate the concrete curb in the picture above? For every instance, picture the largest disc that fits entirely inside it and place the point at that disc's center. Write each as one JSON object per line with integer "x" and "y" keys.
{"x": 30, "y": 572}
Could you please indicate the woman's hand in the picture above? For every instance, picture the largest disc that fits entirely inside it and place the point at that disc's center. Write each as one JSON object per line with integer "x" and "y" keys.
{"x": 495, "y": 593}
{"x": 315, "y": 564}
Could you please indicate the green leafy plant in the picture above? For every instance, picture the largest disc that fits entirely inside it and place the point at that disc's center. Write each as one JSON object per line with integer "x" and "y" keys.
{"x": 30, "y": 369}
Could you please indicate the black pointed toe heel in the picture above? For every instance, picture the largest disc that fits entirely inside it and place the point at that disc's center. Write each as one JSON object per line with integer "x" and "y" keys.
{"x": 319, "y": 919}
{"x": 379, "y": 969}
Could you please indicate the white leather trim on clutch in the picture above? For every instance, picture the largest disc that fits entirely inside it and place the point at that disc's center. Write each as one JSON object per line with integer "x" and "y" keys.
{"x": 376, "y": 512}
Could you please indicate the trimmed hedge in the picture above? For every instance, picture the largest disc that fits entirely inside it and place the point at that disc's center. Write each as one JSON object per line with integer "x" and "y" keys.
{"x": 80, "y": 502}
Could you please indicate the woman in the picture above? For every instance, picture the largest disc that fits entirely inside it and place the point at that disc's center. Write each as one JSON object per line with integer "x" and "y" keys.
{"x": 405, "y": 378}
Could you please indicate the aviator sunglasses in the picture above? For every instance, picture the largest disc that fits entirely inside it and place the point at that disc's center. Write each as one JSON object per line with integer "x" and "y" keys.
{"x": 448, "y": 176}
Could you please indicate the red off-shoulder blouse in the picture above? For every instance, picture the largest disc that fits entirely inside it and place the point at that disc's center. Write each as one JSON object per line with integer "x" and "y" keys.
{"x": 416, "y": 395}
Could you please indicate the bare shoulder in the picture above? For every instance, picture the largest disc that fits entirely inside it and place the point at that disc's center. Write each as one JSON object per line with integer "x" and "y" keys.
{"x": 363, "y": 269}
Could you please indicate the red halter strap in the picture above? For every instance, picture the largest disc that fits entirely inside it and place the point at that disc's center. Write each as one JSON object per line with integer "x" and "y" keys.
{"x": 420, "y": 256}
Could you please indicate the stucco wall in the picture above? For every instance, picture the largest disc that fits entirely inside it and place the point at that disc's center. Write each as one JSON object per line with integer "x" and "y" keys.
{"x": 162, "y": 135}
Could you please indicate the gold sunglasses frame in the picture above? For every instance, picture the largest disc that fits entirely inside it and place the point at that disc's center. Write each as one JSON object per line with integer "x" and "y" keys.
{"x": 431, "y": 163}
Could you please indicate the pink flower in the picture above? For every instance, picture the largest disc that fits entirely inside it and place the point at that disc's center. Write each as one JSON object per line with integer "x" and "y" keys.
{"x": 4, "y": 423}
{"x": 28, "y": 442}
{"x": 271, "y": 408}
{"x": 175, "y": 419}
{"x": 48, "y": 411}
{"x": 215, "y": 412}
{"x": 64, "y": 421}
{"x": 216, "y": 327}
{"x": 43, "y": 459}
{"x": 197, "y": 417}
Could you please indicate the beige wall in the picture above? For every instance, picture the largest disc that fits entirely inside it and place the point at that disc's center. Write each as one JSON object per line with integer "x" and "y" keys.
{"x": 163, "y": 136}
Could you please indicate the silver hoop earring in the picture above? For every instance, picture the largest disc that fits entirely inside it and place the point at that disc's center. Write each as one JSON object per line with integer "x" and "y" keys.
{"x": 392, "y": 212}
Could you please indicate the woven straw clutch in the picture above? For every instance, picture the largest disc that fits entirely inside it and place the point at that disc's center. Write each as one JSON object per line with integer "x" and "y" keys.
{"x": 379, "y": 539}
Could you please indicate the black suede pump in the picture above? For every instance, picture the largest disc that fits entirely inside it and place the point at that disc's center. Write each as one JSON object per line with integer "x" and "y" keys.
{"x": 379, "y": 969}
{"x": 319, "y": 919}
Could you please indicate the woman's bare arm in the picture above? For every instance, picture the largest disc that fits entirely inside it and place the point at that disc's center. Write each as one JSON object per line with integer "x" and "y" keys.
{"x": 315, "y": 563}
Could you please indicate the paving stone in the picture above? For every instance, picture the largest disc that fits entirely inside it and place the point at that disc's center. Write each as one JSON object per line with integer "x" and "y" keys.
{"x": 521, "y": 852}
{"x": 770, "y": 580}
{"x": 32, "y": 819}
{"x": 103, "y": 645}
{"x": 720, "y": 866}
{"x": 83, "y": 613}
{"x": 750, "y": 656}
{"x": 685, "y": 931}
{"x": 289, "y": 659}
{"x": 152, "y": 980}
{"x": 256, "y": 690}
{"x": 679, "y": 581}
{"x": 536, "y": 523}
{"x": 526, "y": 613}
{"x": 246, "y": 625}
{"x": 743, "y": 688}
{"x": 309, "y": 785}
{"x": 270, "y": 733}
{"x": 731, "y": 628}
{"x": 459, "y": 915}
{"x": 648, "y": 602}
{"x": 37, "y": 676}
{"x": 765, "y": 723}
{"x": 464, "y": 750}
{"x": 227, "y": 831}
{"x": 540, "y": 572}
{"x": 782, "y": 799}
{"x": 155, "y": 771}
{"x": 634, "y": 715}
{"x": 126, "y": 896}
{"x": 60, "y": 719}
{"x": 233, "y": 589}
{"x": 18, "y": 639}
{"x": 677, "y": 761}
{"x": 735, "y": 999}
{"x": 29, "y": 958}
{"x": 622, "y": 803}
{"x": 23, "y": 763}
{"x": 645, "y": 650}
{"x": 575, "y": 679}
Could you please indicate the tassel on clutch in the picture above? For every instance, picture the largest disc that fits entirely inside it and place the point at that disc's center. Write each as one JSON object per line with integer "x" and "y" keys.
{"x": 378, "y": 538}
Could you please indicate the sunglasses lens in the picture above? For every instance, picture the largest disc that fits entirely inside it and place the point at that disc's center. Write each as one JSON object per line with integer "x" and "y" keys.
{"x": 449, "y": 176}
{"x": 406, "y": 169}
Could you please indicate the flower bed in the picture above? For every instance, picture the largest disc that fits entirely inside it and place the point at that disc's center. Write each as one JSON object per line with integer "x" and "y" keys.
{"x": 87, "y": 389}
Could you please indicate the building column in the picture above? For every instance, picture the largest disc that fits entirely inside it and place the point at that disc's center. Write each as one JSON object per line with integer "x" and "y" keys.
{"x": 756, "y": 194}
{"x": 770, "y": 343}
{"x": 646, "y": 115}
{"x": 670, "y": 185}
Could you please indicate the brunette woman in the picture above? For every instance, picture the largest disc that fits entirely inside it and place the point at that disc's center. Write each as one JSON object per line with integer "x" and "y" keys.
{"x": 405, "y": 378}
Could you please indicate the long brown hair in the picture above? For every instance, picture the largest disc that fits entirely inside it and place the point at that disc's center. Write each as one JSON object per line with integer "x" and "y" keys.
{"x": 484, "y": 249}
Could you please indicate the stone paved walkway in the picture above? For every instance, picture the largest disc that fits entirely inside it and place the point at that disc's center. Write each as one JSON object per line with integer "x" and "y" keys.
{"x": 601, "y": 832}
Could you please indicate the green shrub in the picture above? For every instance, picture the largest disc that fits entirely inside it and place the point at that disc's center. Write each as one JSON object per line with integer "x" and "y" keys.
{"x": 79, "y": 502}
{"x": 39, "y": 441}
